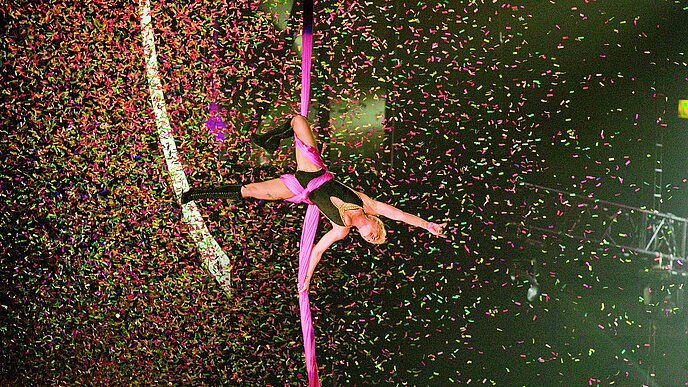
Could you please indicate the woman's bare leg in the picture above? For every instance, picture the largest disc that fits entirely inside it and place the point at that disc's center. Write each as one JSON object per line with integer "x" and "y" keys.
{"x": 274, "y": 189}
{"x": 303, "y": 131}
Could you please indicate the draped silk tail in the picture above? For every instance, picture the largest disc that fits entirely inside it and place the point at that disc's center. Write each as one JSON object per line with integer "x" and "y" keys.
{"x": 310, "y": 226}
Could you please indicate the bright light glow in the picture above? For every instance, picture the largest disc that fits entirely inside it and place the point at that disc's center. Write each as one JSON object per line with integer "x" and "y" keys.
{"x": 683, "y": 108}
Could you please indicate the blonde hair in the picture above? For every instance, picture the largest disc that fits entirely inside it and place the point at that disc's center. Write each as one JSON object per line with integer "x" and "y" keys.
{"x": 381, "y": 231}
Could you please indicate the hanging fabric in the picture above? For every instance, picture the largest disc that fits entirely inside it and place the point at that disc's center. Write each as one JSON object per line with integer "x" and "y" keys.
{"x": 310, "y": 223}
{"x": 310, "y": 226}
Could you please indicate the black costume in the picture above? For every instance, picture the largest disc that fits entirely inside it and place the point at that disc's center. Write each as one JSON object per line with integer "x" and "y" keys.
{"x": 332, "y": 188}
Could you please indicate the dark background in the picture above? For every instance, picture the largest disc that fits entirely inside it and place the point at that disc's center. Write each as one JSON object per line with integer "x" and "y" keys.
{"x": 103, "y": 285}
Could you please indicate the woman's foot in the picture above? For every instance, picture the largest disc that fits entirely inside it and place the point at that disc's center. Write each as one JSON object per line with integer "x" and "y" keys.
{"x": 266, "y": 141}
{"x": 271, "y": 140}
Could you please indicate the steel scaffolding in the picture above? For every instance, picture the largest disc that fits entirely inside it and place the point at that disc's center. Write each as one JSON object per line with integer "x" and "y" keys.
{"x": 555, "y": 215}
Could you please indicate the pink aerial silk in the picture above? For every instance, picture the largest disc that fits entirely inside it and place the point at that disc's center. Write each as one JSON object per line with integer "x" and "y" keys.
{"x": 310, "y": 223}
{"x": 310, "y": 226}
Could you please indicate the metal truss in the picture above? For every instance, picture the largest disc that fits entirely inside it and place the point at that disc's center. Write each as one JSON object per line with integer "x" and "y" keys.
{"x": 552, "y": 216}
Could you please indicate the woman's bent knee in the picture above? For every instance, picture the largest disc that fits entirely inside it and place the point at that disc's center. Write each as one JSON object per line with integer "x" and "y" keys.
{"x": 299, "y": 120}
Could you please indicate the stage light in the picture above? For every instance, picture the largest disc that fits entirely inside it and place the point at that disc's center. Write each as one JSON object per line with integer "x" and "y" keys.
{"x": 533, "y": 292}
{"x": 520, "y": 274}
{"x": 357, "y": 126}
{"x": 683, "y": 108}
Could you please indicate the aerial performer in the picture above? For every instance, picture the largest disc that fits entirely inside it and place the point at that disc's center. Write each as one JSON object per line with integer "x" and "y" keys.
{"x": 312, "y": 183}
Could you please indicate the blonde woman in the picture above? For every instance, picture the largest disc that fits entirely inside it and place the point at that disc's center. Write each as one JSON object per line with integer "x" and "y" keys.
{"x": 342, "y": 206}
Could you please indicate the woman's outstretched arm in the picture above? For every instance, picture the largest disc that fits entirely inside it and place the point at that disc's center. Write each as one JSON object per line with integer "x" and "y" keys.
{"x": 375, "y": 207}
{"x": 332, "y": 236}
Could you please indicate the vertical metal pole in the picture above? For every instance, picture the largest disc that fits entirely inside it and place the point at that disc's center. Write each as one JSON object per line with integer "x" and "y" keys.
{"x": 658, "y": 170}
{"x": 653, "y": 352}
{"x": 660, "y": 110}
{"x": 684, "y": 228}
{"x": 642, "y": 235}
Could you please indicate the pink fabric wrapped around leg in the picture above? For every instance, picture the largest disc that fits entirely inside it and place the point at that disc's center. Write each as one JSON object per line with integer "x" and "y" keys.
{"x": 310, "y": 223}
{"x": 310, "y": 227}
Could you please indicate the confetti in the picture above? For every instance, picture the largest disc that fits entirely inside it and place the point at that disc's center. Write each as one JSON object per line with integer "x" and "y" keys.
{"x": 442, "y": 108}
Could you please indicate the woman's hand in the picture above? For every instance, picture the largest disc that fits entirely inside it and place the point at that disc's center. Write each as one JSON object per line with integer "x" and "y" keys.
{"x": 306, "y": 285}
{"x": 436, "y": 229}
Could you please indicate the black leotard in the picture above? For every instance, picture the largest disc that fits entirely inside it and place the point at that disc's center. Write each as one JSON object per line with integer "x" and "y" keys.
{"x": 321, "y": 196}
